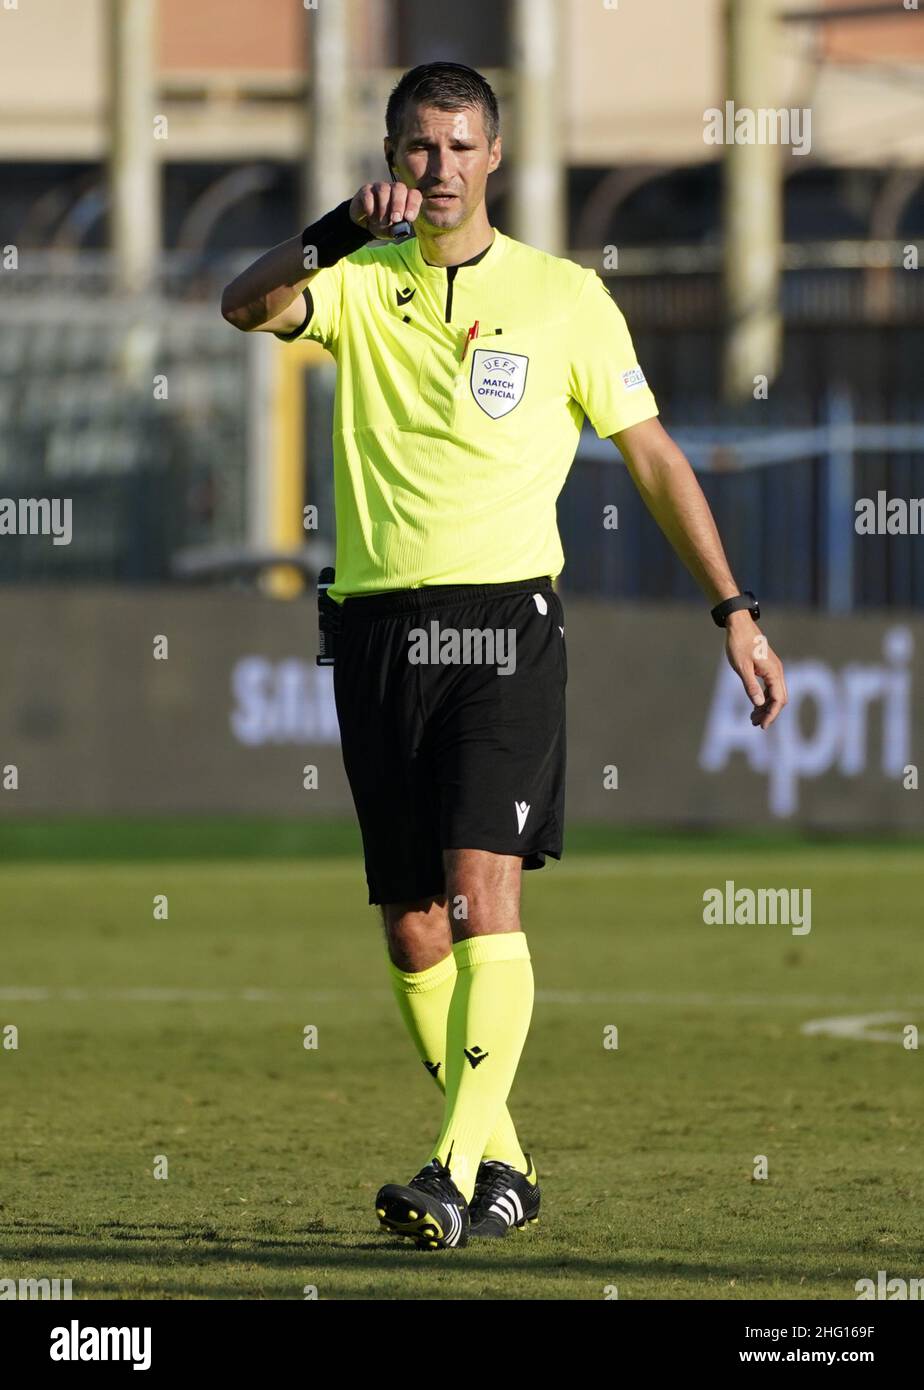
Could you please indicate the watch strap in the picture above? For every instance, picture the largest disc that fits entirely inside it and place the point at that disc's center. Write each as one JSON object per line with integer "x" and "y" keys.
{"x": 746, "y": 599}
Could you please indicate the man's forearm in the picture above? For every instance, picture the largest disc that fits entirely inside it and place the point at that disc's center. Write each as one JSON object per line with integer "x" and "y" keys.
{"x": 671, "y": 492}
{"x": 267, "y": 287}
{"x": 677, "y": 503}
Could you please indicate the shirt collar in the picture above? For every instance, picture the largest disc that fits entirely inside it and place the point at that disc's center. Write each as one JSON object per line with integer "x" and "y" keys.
{"x": 488, "y": 257}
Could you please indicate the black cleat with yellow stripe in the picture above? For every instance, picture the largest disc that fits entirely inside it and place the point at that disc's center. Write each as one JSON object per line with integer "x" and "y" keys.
{"x": 430, "y": 1210}
{"x": 504, "y": 1199}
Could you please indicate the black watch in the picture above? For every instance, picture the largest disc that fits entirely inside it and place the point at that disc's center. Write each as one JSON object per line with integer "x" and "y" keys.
{"x": 734, "y": 605}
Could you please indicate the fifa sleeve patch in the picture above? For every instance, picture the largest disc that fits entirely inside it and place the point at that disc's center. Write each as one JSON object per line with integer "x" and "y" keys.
{"x": 633, "y": 379}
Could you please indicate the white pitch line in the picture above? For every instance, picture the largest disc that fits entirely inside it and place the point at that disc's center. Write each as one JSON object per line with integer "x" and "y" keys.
{"x": 713, "y": 1001}
{"x": 858, "y": 1027}
{"x": 686, "y": 864}
{"x": 40, "y": 994}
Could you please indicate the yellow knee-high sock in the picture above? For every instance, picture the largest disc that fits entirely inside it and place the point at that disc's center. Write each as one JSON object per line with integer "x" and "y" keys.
{"x": 488, "y": 1021}
{"x": 423, "y": 997}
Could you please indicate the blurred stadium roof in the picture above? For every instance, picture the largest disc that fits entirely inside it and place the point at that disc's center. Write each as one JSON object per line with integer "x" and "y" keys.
{"x": 635, "y": 79}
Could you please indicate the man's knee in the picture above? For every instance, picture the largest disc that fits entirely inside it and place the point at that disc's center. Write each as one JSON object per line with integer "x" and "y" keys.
{"x": 417, "y": 932}
{"x": 483, "y": 890}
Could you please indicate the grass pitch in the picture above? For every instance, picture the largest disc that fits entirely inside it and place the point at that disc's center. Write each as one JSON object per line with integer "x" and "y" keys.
{"x": 183, "y": 1038}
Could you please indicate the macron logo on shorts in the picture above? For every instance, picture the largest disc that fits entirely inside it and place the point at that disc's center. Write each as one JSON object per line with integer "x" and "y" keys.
{"x": 522, "y": 811}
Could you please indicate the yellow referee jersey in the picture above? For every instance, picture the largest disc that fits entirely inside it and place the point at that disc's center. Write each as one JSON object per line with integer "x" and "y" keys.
{"x": 461, "y": 392}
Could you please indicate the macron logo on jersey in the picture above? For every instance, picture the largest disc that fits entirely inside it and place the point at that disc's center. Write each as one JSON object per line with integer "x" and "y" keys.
{"x": 522, "y": 811}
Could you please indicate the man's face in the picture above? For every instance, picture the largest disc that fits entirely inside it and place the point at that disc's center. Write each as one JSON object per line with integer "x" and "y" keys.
{"x": 446, "y": 155}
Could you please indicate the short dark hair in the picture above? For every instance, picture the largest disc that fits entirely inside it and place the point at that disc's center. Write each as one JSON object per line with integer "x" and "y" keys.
{"x": 448, "y": 87}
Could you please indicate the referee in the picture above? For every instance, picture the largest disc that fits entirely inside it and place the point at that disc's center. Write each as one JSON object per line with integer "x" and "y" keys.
{"x": 467, "y": 362}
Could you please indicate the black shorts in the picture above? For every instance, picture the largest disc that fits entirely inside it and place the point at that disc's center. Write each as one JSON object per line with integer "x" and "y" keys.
{"x": 463, "y": 752}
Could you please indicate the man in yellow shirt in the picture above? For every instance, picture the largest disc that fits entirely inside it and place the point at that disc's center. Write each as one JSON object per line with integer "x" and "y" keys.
{"x": 467, "y": 362}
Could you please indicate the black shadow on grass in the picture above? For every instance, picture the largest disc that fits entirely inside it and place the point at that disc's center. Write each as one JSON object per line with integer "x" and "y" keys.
{"x": 312, "y": 1251}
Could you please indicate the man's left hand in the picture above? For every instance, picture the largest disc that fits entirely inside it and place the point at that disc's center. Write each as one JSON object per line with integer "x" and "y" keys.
{"x": 751, "y": 656}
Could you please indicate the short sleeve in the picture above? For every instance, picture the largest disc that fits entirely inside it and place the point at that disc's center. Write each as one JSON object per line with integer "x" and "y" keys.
{"x": 606, "y": 379}
{"x": 325, "y": 290}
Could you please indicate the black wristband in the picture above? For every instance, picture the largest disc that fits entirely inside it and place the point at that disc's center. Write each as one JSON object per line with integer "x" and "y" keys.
{"x": 336, "y": 235}
{"x": 734, "y": 605}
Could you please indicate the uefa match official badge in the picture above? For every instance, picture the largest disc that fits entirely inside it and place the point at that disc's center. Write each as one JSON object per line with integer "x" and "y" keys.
{"x": 498, "y": 381}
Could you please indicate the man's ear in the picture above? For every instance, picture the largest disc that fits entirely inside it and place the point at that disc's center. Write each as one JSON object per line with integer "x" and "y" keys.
{"x": 495, "y": 156}
{"x": 390, "y": 160}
